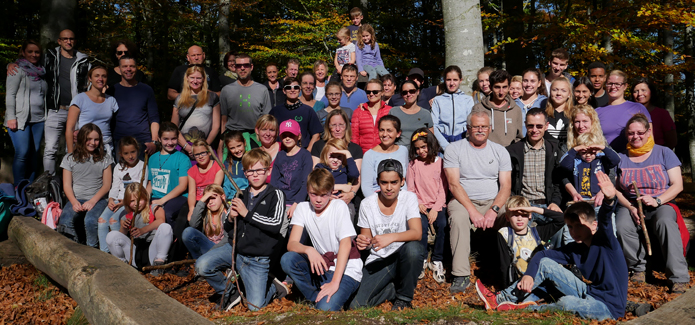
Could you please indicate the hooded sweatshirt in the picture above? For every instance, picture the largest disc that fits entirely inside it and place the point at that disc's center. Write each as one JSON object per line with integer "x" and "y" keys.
{"x": 449, "y": 114}
{"x": 506, "y": 121}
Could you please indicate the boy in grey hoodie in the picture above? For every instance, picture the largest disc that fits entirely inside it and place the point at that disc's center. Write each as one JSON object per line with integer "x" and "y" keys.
{"x": 505, "y": 116}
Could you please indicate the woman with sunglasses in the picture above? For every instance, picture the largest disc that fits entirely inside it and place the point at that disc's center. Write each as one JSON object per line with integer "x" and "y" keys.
{"x": 364, "y": 127}
{"x": 120, "y": 48}
{"x": 294, "y": 109}
{"x": 450, "y": 109}
{"x": 411, "y": 115}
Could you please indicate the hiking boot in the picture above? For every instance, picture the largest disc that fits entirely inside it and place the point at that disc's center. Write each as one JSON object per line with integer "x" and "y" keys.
{"x": 679, "y": 287}
{"x": 401, "y": 305}
{"x": 508, "y": 305}
{"x": 281, "y": 290}
{"x": 231, "y": 300}
{"x": 637, "y": 309}
{"x": 487, "y": 296}
{"x": 422, "y": 273}
{"x": 459, "y": 284}
{"x": 438, "y": 272}
{"x": 639, "y": 277}
{"x": 159, "y": 271}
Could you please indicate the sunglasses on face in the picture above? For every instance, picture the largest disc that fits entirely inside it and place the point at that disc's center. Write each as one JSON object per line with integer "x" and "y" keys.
{"x": 534, "y": 126}
{"x": 372, "y": 92}
{"x": 411, "y": 91}
{"x": 121, "y": 52}
{"x": 292, "y": 87}
{"x": 243, "y": 65}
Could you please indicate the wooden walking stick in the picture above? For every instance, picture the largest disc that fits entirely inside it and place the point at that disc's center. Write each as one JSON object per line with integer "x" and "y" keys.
{"x": 233, "y": 277}
{"x": 137, "y": 207}
{"x": 641, "y": 217}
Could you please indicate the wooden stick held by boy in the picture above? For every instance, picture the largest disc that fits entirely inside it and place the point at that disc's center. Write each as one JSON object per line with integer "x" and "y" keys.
{"x": 137, "y": 207}
{"x": 641, "y": 217}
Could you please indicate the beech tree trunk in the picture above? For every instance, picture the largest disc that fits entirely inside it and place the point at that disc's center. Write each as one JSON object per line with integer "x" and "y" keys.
{"x": 223, "y": 39}
{"x": 463, "y": 30}
{"x": 56, "y": 15}
{"x": 669, "y": 103}
{"x": 690, "y": 93}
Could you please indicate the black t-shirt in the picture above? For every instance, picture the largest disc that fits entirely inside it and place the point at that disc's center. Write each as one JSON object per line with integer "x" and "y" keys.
{"x": 601, "y": 101}
{"x": 176, "y": 81}
{"x": 355, "y": 149}
{"x": 64, "y": 80}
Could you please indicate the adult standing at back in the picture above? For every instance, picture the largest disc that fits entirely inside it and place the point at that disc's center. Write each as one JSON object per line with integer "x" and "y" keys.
{"x": 25, "y": 112}
{"x": 533, "y": 93}
{"x": 505, "y": 115}
{"x": 365, "y": 130}
{"x": 597, "y": 75}
{"x": 426, "y": 94}
{"x": 195, "y": 56}
{"x": 559, "y": 59}
{"x": 196, "y": 111}
{"x": 411, "y": 115}
{"x": 137, "y": 115}
{"x": 352, "y": 96}
{"x": 308, "y": 83}
{"x": 664, "y": 131}
{"x": 450, "y": 109}
{"x": 615, "y": 115}
{"x": 66, "y": 76}
{"x": 243, "y": 102}
{"x": 120, "y": 49}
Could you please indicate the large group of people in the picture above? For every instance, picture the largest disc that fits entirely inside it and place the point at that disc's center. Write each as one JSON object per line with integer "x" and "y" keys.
{"x": 340, "y": 187}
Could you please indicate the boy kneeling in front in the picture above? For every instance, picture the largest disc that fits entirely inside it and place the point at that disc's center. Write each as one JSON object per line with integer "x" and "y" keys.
{"x": 328, "y": 273}
{"x": 391, "y": 230}
{"x": 596, "y": 253}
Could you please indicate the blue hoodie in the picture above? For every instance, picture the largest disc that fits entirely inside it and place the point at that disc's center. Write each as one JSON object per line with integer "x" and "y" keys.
{"x": 449, "y": 114}
{"x": 540, "y": 102}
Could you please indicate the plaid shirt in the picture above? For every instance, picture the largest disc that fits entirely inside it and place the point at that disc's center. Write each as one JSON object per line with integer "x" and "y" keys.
{"x": 533, "y": 179}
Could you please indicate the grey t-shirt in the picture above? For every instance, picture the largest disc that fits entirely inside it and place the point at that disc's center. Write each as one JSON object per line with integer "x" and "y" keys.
{"x": 411, "y": 122}
{"x": 244, "y": 105}
{"x": 87, "y": 177}
{"x": 478, "y": 168}
{"x": 37, "y": 92}
{"x": 199, "y": 125}
{"x": 64, "y": 80}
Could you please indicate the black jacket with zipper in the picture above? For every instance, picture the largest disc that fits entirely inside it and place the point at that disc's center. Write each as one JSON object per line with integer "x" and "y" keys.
{"x": 78, "y": 76}
{"x": 552, "y": 161}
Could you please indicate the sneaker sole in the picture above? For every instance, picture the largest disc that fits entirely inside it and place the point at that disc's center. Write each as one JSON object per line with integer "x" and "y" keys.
{"x": 277, "y": 284}
{"x": 482, "y": 297}
{"x": 233, "y": 303}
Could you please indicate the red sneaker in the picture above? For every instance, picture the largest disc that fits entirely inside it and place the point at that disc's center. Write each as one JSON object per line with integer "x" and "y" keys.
{"x": 487, "y": 296}
{"x": 507, "y": 305}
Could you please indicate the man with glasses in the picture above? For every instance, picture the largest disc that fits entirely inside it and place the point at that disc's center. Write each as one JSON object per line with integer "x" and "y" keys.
{"x": 351, "y": 96}
{"x": 474, "y": 167}
{"x": 506, "y": 116}
{"x": 243, "y": 102}
{"x": 66, "y": 76}
{"x": 195, "y": 56}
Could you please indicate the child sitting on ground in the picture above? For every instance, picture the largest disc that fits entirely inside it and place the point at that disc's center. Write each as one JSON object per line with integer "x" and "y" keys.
{"x": 328, "y": 273}
{"x": 337, "y": 159}
{"x": 519, "y": 241}
{"x": 260, "y": 217}
{"x": 596, "y": 253}
{"x": 208, "y": 215}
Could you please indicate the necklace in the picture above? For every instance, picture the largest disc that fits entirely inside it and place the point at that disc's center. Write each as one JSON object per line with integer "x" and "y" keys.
{"x": 161, "y": 164}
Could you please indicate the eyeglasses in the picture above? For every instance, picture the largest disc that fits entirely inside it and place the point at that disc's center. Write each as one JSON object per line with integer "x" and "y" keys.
{"x": 479, "y": 128}
{"x": 372, "y": 92}
{"x": 292, "y": 87}
{"x": 243, "y": 65}
{"x": 632, "y": 134}
{"x": 121, "y": 52}
{"x": 412, "y": 92}
{"x": 67, "y": 39}
{"x": 615, "y": 84}
{"x": 535, "y": 126}
{"x": 336, "y": 126}
{"x": 333, "y": 95}
{"x": 200, "y": 154}
{"x": 259, "y": 172}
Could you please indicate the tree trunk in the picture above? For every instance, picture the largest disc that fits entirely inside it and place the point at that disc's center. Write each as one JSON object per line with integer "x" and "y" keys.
{"x": 690, "y": 93}
{"x": 669, "y": 103}
{"x": 463, "y": 30}
{"x": 223, "y": 39}
{"x": 56, "y": 15}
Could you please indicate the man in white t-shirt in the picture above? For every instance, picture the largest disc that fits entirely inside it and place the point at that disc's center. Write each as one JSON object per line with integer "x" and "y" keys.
{"x": 328, "y": 273}
{"x": 391, "y": 229}
{"x": 474, "y": 167}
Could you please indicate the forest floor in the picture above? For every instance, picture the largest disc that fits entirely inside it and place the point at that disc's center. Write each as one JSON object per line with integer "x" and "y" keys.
{"x": 27, "y": 296}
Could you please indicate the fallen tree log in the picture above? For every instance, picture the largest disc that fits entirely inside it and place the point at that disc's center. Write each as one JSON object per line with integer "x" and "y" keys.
{"x": 107, "y": 289}
{"x": 676, "y": 311}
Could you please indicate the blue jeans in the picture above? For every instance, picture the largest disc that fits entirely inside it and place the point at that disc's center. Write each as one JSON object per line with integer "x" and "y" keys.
{"x": 109, "y": 221}
{"x": 392, "y": 277}
{"x": 253, "y": 272}
{"x": 374, "y": 70}
{"x": 196, "y": 242}
{"x": 575, "y": 297}
{"x": 440, "y": 240}
{"x": 298, "y": 268}
{"x": 26, "y": 145}
{"x": 66, "y": 224}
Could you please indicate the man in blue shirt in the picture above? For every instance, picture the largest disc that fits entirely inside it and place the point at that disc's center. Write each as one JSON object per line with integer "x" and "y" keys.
{"x": 352, "y": 96}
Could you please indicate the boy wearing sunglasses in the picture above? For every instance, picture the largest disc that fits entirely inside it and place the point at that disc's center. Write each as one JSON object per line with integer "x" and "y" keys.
{"x": 293, "y": 109}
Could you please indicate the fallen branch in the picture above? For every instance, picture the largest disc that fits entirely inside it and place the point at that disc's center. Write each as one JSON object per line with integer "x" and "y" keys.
{"x": 166, "y": 266}
{"x": 647, "y": 242}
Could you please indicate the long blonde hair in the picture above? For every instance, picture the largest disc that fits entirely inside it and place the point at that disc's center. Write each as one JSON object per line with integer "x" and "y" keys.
{"x": 186, "y": 99}
{"x": 209, "y": 228}
{"x": 135, "y": 189}
{"x": 569, "y": 105}
{"x": 590, "y": 112}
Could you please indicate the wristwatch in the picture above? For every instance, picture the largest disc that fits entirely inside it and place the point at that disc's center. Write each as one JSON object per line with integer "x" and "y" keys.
{"x": 156, "y": 143}
{"x": 495, "y": 208}
{"x": 658, "y": 201}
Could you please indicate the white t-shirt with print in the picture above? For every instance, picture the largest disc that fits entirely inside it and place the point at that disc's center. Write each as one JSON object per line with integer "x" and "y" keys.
{"x": 327, "y": 230}
{"x": 371, "y": 217}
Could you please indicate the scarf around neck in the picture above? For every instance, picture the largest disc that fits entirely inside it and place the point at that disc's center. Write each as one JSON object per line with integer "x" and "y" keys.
{"x": 647, "y": 147}
{"x": 36, "y": 73}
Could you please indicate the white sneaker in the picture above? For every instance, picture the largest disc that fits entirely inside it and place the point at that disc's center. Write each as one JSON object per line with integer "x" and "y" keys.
{"x": 438, "y": 272}
{"x": 424, "y": 267}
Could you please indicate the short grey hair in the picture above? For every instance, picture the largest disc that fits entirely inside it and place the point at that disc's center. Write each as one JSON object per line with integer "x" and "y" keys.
{"x": 477, "y": 112}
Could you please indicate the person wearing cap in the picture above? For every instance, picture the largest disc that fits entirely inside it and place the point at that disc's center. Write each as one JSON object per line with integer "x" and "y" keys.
{"x": 390, "y": 229}
{"x": 292, "y": 165}
{"x": 426, "y": 94}
{"x": 474, "y": 167}
{"x": 294, "y": 109}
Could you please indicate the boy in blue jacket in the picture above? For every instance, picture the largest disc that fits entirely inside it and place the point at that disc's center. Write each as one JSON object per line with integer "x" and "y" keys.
{"x": 596, "y": 253}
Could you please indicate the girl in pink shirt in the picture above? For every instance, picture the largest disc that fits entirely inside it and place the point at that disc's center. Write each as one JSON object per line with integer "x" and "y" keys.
{"x": 426, "y": 176}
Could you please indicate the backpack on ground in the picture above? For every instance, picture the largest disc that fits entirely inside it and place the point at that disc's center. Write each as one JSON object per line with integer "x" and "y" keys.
{"x": 44, "y": 190}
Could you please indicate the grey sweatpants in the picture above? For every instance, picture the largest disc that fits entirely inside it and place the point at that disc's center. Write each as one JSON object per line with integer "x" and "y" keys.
{"x": 664, "y": 235}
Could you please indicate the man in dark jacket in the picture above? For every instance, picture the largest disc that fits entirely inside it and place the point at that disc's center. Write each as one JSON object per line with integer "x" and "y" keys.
{"x": 533, "y": 161}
